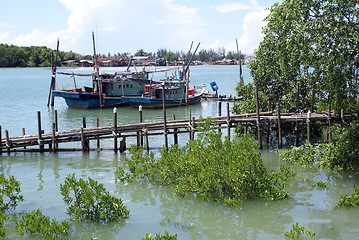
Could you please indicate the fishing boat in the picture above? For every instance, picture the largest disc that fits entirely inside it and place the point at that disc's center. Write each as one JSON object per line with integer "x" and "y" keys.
{"x": 114, "y": 87}
{"x": 173, "y": 91}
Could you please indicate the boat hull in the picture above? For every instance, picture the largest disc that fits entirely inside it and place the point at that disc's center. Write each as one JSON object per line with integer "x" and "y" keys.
{"x": 89, "y": 100}
{"x": 147, "y": 102}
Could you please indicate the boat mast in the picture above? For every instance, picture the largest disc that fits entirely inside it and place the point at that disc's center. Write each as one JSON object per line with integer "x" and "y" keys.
{"x": 99, "y": 80}
{"x": 53, "y": 76}
{"x": 240, "y": 65}
{"x": 186, "y": 71}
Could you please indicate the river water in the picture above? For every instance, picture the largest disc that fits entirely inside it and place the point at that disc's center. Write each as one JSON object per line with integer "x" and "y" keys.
{"x": 153, "y": 208}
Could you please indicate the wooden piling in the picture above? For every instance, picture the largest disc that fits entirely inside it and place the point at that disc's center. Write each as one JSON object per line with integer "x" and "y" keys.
{"x": 23, "y": 134}
{"x": 115, "y": 130}
{"x": 56, "y": 127}
{"x": 329, "y": 124}
{"x": 246, "y": 123}
{"x": 308, "y": 126}
{"x": 298, "y": 100}
{"x": 8, "y": 144}
{"x": 98, "y": 138}
{"x": 190, "y": 124}
{"x": 141, "y": 121}
{"x": 175, "y": 136}
{"x": 341, "y": 118}
{"x": 164, "y": 116}
{"x": 193, "y": 128}
{"x": 54, "y": 137}
{"x": 219, "y": 114}
{"x": 123, "y": 144}
{"x": 279, "y": 128}
{"x": 228, "y": 121}
{"x": 85, "y": 147}
{"x": 296, "y": 132}
{"x": 41, "y": 144}
{"x": 258, "y": 120}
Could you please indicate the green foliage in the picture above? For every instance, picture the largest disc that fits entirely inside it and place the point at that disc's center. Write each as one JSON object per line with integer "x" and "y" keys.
{"x": 321, "y": 184}
{"x": 248, "y": 102}
{"x": 14, "y": 56}
{"x": 350, "y": 201}
{"x": 36, "y": 223}
{"x": 90, "y": 200}
{"x": 225, "y": 171}
{"x": 341, "y": 153}
{"x": 3, "y": 218}
{"x": 299, "y": 233}
{"x": 9, "y": 193}
{"x": 165, "y": 236}
{"x": 313, "y": 43}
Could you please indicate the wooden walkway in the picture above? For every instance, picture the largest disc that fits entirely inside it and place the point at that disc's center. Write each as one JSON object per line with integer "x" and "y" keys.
{"x": 141, "y": 131}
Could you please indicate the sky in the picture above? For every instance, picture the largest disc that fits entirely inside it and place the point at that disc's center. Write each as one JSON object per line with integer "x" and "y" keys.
{"x": 130, "y": 25}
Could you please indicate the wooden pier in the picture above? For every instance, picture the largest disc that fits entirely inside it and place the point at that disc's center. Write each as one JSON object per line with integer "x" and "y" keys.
{"x": 49, "y": 142}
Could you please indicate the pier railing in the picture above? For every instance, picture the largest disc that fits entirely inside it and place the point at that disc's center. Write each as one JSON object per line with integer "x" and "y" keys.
{"x": 49, "y": 142}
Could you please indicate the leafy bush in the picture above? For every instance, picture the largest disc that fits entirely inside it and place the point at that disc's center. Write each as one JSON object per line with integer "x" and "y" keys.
{"x": 225, "y": 171}
{"x": 36, "y": 223}
{"x": 350, "y": 201}
{"x": 341, "y": 153}
{"x": 165, "y": 236}
{"x": 9, "y": 193}
{"x": 90, "y": 200}
{"x": 299, "y": 233}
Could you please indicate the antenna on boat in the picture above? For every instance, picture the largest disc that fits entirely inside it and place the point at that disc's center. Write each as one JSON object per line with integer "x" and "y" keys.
{"x": 240, "y": 65}
{"x": 53, "y": 75}
{"x": 186, "y": 70}
{"x": 99, "y": 80}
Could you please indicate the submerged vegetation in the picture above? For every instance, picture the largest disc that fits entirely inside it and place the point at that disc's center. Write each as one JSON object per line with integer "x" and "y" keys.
{"x": 225, "y": 171}
{"x": 298, "y": 232}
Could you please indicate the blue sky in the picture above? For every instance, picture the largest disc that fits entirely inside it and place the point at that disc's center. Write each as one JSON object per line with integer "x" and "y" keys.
{"x": 129, "y": 25}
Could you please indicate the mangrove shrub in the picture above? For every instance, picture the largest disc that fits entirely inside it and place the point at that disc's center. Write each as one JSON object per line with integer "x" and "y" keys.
{"x": 210, "y": 168}
{"x": 90, "y": 200}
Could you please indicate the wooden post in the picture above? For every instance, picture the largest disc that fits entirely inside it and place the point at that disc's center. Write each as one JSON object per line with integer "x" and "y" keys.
{"x": 23, "y": 134}
{"x": 193, "y": 128}
{"x": 298, "y": 101}
{"x": 56, "y": 126}
{"x": 308, "y": 126}
{"x": 53, "y": 76}
{"x": 123, "y": 144}
{"x": 240, "y": 64}
{"x": 84, "y": 125}
{"x": 329, "y": 137}
{"x": 279, "y": 129}
{"x": 98, "y": 137}
{"x": 8, "y": 144}
{"x": 228, "y": 121}
{"x": 41, "y": 144}
{"x": 190, "y": 124}
{"x": 115, "y": 130}
{"x": 219, "y": 114}
{"x": 175, "y": 136}
{"x": 258, "y": 120}
{"x": 296, "y": 132}
{"x": 85, "y": 147}
{"x": 54, "y": 137}
{"x": 341, "y": 118}
{"x": 141, "y": 121}
{"x": 164, "y": 115}
{"x": 246, "y": 124}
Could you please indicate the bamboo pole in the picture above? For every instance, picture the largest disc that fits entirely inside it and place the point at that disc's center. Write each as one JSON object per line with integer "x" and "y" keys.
{"x": 56, "y": 126}
{"x": 141, "y": 121}
{"x": 240, "y": 64}
{"x": 99, "y": 80}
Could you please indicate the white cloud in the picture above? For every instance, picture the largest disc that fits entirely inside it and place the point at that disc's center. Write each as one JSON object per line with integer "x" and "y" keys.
{"x": 235, "y": 6}
{"x": 252, "y": 31}
{"x": 4, "y": 37}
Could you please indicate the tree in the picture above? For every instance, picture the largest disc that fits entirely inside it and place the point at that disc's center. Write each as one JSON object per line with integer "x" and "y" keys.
{"x": 171, "y": 57}
{"x": 315, "y": 44}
